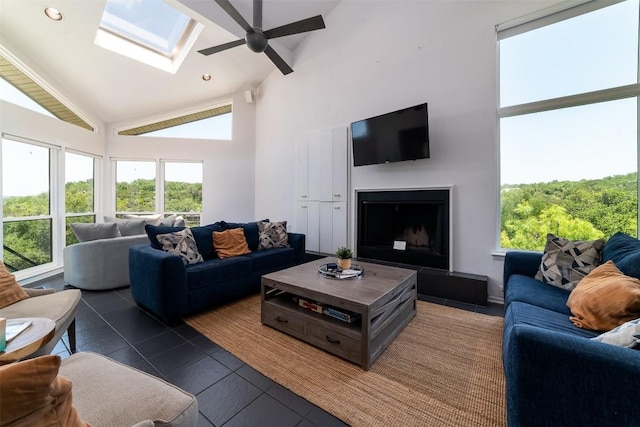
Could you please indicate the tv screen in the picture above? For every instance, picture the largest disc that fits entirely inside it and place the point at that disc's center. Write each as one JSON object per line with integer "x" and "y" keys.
{"x": 392, "y": 137}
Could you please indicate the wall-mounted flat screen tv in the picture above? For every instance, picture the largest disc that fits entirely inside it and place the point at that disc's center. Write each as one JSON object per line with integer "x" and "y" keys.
{"x": 392, "y": 137}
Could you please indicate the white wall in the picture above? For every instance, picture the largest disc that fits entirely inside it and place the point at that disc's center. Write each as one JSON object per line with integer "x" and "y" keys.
{"x": 379, "y": 56}
{"x": 228, "y": 185}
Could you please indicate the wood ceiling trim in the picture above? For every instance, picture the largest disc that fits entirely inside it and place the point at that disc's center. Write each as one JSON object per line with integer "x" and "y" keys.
{"x": 40, "y": 96}
{"x": 176, "y": 121}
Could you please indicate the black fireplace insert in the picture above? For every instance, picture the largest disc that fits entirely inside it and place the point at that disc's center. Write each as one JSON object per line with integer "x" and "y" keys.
{"x": 408, "y": 227}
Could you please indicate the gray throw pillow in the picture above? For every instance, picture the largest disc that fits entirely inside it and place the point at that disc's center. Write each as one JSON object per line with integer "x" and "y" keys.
{"x": 168, "y": 221}
{"x": 182, "y": 244}
{"x": 625, "y": 335}
{"x": 566, "y": 262}
{"x": 272, "y": 235}
{"x": 179, "y": 222}
{"x": 128, "y": 227}
{"x": 149, "y": 219}
{"x": 86, "y": 232}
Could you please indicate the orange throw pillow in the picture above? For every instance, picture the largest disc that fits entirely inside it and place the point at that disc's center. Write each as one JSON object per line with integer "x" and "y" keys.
{"x": 10, "y": 291}
{"x": 33, "y": 394}
{"x": 604, "y": 299}
{"x": 230, "y": 243}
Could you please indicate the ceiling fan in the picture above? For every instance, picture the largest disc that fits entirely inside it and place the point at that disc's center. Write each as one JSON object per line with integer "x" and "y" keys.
{"x": 257, "y": 39}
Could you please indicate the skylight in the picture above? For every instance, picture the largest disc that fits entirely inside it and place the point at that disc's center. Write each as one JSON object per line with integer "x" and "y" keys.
{"x": 149, "y": 31}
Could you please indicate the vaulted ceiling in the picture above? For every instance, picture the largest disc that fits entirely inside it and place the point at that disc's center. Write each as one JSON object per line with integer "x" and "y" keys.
{"x": 112, "y": 88}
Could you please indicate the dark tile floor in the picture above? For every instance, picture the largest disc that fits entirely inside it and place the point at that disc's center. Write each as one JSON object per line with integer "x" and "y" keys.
{"x": 229, "y": 392}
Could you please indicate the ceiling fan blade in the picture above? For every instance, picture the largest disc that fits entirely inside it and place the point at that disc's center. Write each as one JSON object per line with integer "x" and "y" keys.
{"x": 220, "y": 48}
{"x": 302, "y": 26}
{"x": 232, "y": 12}
{"x": 277, "y": 59}
{"x": 257, "y": 13}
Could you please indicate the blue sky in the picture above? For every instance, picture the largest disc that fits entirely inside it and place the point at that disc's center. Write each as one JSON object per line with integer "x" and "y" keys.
{"x": 594, "y": 51}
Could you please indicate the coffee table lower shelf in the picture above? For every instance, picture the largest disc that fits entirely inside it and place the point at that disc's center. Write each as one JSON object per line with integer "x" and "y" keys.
{"x": 361, "y": 342}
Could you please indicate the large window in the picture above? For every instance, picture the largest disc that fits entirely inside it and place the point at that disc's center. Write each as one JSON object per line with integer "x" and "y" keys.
{"x": 26, "y": 204}
{"x": 568, "y": 123}
{"x": 183, "y": 190}
{"x": 135, "y": 186}
{"x": 177, "y": 191}
{"x": 79, "y": 192}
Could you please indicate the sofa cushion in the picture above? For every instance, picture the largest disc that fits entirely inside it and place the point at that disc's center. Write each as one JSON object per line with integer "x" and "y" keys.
{"x": 230, "y": 243}
{"x": 154, "y": 230}
{"x": 626, "y": 335}
{"x": 624, "y": 251}
{"x": 181, "y": 243}
{"x": 272, "y": 235}
{"x": 217, "y": 270}
{"x": 531, "y": 291}
{"x": 86, "y": 232}
{"x": 204, "y": 239}
{"x": 268, "y": 259}
{"x": 251, "y": 232}
{"x": 566, "y": 262}
{"x": 10, "y": 291}
{"x": 520, "y": 313}
{"x": 605, "y": 299}
{"x": 127, "y": 227}
{"x": 33, "y": 394}
{"x": 153, "y": 219}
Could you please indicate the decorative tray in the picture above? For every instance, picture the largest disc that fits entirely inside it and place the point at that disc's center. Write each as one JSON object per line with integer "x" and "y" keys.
{"x": 332, "y": 271}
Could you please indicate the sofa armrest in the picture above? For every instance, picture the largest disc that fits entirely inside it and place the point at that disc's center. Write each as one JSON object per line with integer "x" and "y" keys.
{"x": 562, "y": 379}
{"x": 298, "y": 242}
{"x": 158, "y": 281}
{"x": 526, "y": 263}
{"x": 36, "y": 292}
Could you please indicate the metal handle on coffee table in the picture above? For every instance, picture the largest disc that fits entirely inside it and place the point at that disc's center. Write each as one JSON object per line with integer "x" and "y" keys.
{"x": 332, "y": 340}
{"x": 279, "y": 319}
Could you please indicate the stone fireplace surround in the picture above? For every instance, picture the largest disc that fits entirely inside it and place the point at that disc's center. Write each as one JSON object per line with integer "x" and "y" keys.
{"x": 411, "y": 228}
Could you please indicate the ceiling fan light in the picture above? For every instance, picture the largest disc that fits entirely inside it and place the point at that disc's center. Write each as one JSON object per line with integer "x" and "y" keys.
{"x": 53, "y": 13}
{"x": 256, "y": 41}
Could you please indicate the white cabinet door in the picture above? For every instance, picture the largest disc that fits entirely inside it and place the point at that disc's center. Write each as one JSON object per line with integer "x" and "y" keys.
{"x": 326, "y": 227}
{"x": 339, "y": 224}
{"x": 320, "y": 164}
{"x": 302, "y": 210}
{"x": 339, "y": 165}
{"x": 302, "y": 168}
{"x": 313, "y": 226}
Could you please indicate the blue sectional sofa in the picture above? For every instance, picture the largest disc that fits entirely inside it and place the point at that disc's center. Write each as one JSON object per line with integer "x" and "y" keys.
{"x": 555, "y": 374}
{"x": 163, "y": 285}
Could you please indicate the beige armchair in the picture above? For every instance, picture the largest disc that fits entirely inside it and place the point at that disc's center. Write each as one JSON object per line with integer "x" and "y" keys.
{"x": 90, "y": 389}
{"x": 58, "y": 306}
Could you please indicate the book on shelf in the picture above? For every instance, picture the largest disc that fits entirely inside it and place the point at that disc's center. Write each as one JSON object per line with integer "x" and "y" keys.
{"x": 310, "y": 305}
{"x": 344, "y": 315}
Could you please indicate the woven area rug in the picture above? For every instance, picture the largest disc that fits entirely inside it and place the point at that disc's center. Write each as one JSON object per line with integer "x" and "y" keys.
{"x": 444, "y": 369}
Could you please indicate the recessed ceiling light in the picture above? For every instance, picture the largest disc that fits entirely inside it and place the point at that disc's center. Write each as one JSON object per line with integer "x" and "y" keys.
{"x": 53, "y": 13}
{"x": 206, "y": 77}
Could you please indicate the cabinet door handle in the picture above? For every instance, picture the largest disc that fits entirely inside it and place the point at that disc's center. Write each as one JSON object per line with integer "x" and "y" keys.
{"x": 280, "y": 319}
{"x": 336, "y": 207}
{"x": 336, "y": 195}
{"x": 304, "y": 206}
{"x": 332, "y": 340}
{"x": 304, "y": 196}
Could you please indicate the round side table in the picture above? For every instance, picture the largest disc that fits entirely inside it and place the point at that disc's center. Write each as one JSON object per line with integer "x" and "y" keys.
{"x": 27, "y": 342}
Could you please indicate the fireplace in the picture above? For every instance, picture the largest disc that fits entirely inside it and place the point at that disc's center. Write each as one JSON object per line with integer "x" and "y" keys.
{"x": 406, "y": 226}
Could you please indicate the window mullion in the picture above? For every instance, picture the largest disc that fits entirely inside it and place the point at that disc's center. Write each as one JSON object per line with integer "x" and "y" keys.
{"x": 611, "y": 94}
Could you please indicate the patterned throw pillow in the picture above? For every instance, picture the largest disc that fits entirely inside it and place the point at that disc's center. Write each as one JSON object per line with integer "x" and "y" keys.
{"x": 625, "y": 335}
{"x": 273, "y": 235}
{"x": 181, "y": 243}
{"x": 566, "y": 262}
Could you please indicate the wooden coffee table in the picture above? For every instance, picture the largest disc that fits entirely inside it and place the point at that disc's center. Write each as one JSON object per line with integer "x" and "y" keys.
{"x": 384, "y": 298}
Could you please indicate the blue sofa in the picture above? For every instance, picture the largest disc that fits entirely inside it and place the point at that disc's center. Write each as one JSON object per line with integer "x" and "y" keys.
{"x": 555, "y": 374}
{"x": 164, "y": 286}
